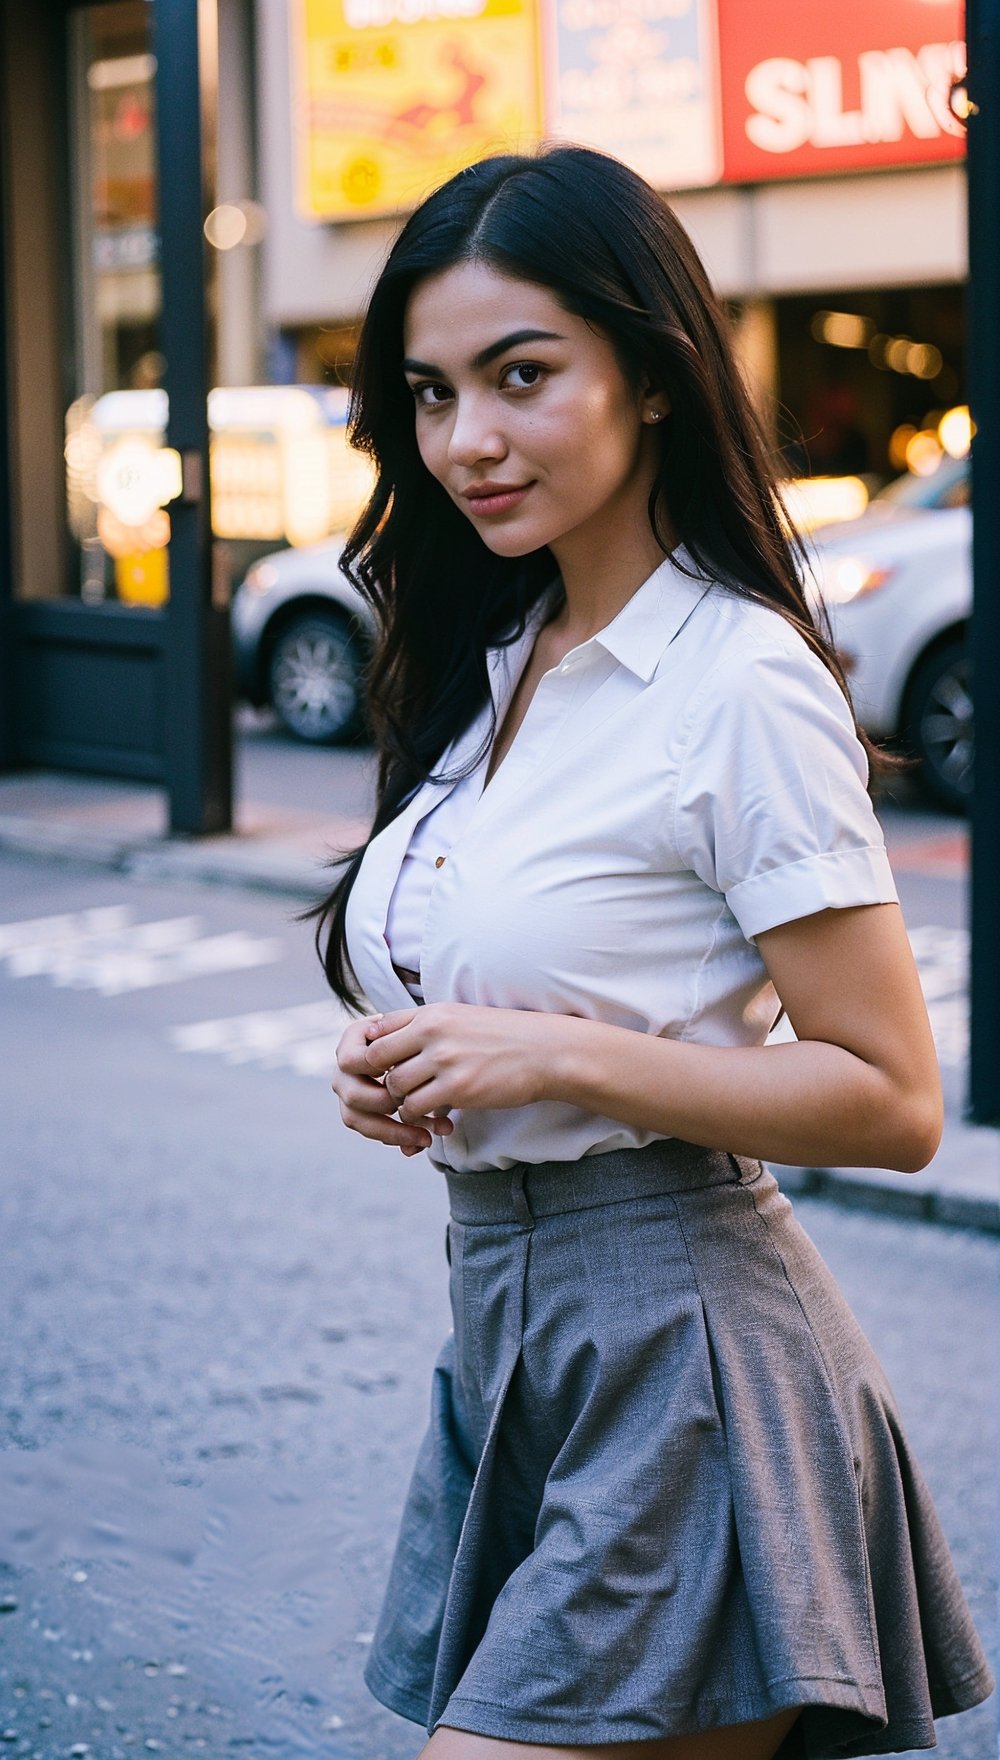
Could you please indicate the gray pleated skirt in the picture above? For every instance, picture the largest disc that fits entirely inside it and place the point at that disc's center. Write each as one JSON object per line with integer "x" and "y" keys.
{"x": 664, "y": 1487}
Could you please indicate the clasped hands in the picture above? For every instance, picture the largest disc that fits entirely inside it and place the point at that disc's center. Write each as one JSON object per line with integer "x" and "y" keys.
{"x": 420, "y": 1063}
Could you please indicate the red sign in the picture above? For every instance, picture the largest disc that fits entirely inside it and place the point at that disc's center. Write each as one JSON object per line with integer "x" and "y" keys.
{"x": 810, "y": 87}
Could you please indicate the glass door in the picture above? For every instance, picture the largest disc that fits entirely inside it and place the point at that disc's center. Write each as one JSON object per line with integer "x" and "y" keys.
{"x": 117, "y": 475}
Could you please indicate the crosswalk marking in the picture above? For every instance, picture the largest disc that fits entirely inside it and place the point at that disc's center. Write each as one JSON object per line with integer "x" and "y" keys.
{"x": 51, "y": 931}
{"x": 303, "y": 1038}
{"x": 105, "y": 950}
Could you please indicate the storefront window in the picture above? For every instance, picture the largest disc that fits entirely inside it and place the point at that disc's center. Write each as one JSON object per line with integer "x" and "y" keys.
{"x": 867, "y": 378}
{"x": 281, "y": 469}
{"x": 116, "y": 472}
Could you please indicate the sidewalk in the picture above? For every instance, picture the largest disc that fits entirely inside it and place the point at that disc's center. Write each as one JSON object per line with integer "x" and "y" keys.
{"x": 90, "y": 822}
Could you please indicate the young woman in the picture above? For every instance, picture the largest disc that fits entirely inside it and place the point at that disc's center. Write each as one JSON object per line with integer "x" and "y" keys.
{"x": 622, "y": 820}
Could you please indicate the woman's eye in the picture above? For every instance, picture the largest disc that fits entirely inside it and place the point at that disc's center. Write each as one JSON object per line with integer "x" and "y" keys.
{"x": 530, "y": 374}
{"x": 426, "y": 394}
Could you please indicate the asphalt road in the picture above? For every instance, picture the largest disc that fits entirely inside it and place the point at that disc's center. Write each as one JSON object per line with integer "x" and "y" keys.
{"x": 273, "y": 769}
{"x": 219, "y": 1312}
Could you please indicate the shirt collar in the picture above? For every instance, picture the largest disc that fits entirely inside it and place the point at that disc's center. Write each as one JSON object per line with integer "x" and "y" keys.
{"x": 636, "y": 637}
{"x": 648, "y": 622}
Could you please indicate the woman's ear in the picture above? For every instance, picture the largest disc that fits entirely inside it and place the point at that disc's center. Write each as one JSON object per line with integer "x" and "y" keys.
{"x": 654, "y": 403}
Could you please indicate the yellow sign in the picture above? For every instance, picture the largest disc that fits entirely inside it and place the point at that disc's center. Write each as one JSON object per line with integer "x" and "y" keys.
{"x": 394, "y": 96}
{"x": 141, "y": 579}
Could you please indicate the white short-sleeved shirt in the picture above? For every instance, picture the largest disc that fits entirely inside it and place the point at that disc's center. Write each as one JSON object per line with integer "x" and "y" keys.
{"x": 426, "y": 852}
{"x": 684, "y": 780}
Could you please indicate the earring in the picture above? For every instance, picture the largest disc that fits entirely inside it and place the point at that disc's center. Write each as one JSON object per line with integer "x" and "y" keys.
{"x": 655, "y": 414}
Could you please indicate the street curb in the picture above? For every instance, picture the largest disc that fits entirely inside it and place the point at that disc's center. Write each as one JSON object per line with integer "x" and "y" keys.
{"x": 247, "y": 868}
{"x": 849, "y": 1189}
{"x": 162, "y": 859}
{"x": 193, "y": 867}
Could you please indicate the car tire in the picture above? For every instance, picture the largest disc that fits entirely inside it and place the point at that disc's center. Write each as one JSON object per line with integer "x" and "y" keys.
{"x": 314, "y": 678}
{"x": 939, "y": 724}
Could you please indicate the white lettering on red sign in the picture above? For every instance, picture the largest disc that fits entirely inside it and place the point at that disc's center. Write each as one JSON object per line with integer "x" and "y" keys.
{"x": 902, "y": 91}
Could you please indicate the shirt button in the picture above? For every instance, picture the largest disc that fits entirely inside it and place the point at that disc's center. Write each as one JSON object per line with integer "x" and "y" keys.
{"x": 439, "y": 861}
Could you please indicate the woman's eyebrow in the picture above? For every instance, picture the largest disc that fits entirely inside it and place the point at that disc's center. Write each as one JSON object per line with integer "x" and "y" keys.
{"x": 486, "y": 355}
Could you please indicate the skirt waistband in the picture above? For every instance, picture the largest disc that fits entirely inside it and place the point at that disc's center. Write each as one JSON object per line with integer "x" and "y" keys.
{"x": 526, "y": 1191}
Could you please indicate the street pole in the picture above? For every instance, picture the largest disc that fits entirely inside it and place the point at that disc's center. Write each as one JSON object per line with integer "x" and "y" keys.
{"x": 983, "y": 128}
{"x": 197, "y": 655}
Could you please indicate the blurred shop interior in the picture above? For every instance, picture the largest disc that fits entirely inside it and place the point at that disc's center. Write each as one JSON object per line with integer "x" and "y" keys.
{"x": 861, "y": 373}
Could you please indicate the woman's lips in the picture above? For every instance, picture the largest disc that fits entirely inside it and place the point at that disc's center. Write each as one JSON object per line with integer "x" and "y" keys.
{"x": 496, "y": 502}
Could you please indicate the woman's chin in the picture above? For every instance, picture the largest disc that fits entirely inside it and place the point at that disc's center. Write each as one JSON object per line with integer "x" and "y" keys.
{"x": 511, "y": 541}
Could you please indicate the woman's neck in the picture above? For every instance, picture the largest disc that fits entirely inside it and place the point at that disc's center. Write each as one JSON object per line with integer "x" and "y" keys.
{"x": 598, "y": 586}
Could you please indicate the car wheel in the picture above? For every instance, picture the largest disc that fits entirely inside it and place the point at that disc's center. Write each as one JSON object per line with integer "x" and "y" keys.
{"x": 314, "y": 678}
{"x": 939, "y": 724}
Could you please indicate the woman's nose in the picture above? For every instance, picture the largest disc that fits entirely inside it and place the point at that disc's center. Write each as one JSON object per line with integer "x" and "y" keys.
{"x": 474, "y": 434}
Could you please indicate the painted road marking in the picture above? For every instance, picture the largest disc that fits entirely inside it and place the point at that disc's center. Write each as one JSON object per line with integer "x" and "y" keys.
{"x": 303, "y": 1038}
{"x": 42, "y": 931}
{"x": 105, "y": 950}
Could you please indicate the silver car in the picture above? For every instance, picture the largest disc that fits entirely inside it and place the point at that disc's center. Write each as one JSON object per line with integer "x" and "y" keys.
{"x": 301, "y": 642}
{"x": 898, "y": 586}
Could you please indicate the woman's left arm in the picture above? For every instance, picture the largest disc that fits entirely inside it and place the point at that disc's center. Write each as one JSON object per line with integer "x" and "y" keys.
{"x": 859, "y": 1087}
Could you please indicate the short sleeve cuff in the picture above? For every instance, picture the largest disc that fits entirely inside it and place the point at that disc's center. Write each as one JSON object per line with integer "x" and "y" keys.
{"x": 817, "y": 883}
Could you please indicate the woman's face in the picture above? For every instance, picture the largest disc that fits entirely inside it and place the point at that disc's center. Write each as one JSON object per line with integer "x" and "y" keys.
{"x": 523, "y": 414}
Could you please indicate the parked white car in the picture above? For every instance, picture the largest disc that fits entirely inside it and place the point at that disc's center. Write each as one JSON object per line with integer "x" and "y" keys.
{"x": 898, "y": 587}
{"x": 301, "y": 641}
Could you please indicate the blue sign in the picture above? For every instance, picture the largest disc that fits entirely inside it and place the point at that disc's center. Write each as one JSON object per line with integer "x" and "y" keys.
{"x": 637, "y": 78}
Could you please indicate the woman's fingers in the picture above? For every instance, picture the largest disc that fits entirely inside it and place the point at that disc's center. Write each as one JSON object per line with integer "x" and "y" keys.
{"x": 425, "y": 1104}
{"x": 403, "y": 1079}
{"x": 413, "y": 1086}
{"x": 361, "y": 1094}
{"x": 389, "y": 1023}
{"x": 351, "y": 1049}
{"x": 388, "y": 1130}
{"x": 394, "y": 1045}
{"x": 356, "y": 1038}
{"x": 416, "y": 1113}
{"x": 410, "y": 1092}
{"x": 367, "y": 1106}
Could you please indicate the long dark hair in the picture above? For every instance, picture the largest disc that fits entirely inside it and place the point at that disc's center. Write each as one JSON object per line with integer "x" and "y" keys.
{"x": 612, "y": 251}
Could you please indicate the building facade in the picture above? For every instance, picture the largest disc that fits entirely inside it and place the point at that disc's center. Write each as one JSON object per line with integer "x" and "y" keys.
{"x": 810, "y": 150}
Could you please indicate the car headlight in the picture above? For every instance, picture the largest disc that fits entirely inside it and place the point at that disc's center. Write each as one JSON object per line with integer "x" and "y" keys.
{"x": 261, "y": 577}
{"x": 843, "y": 578}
